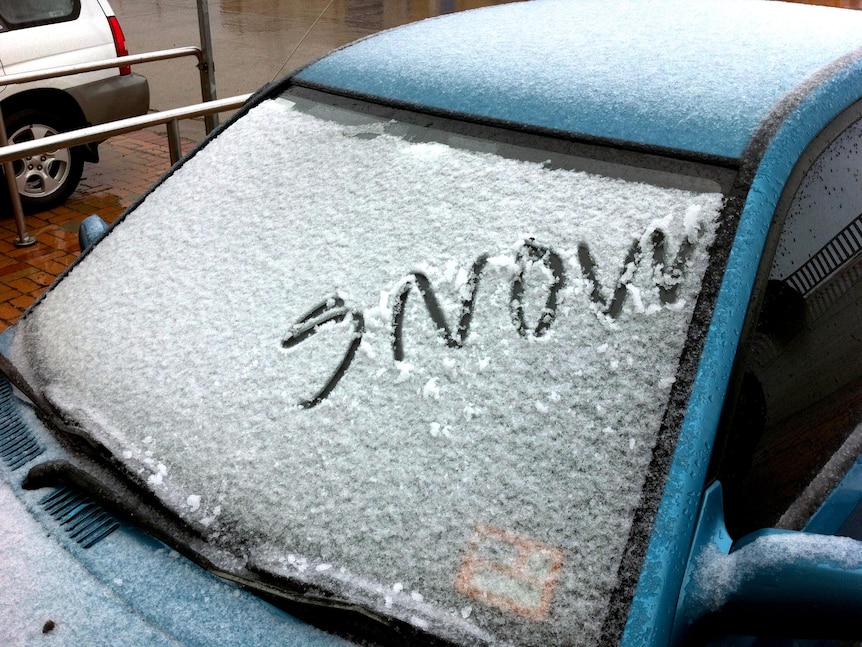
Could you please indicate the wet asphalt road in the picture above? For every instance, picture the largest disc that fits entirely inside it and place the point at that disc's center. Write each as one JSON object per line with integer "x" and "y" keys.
{"x": 256, "y": 41}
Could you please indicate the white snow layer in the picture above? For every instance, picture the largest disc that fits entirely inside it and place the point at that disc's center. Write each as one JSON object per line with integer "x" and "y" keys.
{"x": 500, "y": 477}
{"x": 698, "y": 76}
{"x": 717, "y": 575}
{"x": 47, "y": 597}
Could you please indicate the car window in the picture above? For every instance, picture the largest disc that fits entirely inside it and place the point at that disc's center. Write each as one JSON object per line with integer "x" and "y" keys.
{"x": 417, "y": 365}
{"x": 801, "y": 384}
{"x": 15, "y": 14}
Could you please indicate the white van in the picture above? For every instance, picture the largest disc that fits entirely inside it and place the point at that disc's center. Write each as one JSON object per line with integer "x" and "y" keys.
{"x": 40, "y": 34}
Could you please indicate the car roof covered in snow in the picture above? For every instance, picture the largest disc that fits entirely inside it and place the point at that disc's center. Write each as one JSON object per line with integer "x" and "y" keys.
{"x": 695, "y": 77}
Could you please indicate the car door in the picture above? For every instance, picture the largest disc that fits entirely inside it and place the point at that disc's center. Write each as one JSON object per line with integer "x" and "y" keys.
{"x": 799, "y": 376}
{"x": 788, "y": 453}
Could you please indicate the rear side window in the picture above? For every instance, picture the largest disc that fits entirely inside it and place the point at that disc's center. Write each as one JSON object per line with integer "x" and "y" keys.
{"x": 16, "y": 14}
{"x": 801, "y": 387}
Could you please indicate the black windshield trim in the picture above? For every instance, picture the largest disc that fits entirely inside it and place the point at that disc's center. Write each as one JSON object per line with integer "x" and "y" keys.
{"x": 598, "y": 148}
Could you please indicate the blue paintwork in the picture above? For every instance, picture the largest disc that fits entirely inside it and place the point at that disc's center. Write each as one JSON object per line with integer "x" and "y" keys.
{"x": 92, "y": 228}
{"x": 614, "y": 70}
{"x": 821, "y": 583}
{"x": 651, "y": 616}
{"x": 711, "y": 529}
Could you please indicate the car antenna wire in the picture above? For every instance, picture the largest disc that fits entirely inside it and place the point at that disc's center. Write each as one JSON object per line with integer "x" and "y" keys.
{"x": 302, "y": 40}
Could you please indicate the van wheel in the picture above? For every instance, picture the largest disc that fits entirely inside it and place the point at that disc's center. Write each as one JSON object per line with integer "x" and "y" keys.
{"x": 45, "y": 180}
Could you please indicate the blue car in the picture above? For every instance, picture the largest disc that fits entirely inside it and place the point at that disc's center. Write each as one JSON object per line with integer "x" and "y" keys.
{"x": 530, "y": 325}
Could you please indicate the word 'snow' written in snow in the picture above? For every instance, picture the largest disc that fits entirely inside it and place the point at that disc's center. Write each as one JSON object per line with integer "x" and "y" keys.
{"x": 334, "y": 310}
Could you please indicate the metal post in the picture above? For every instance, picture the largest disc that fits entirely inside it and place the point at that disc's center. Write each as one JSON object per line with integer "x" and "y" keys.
{"x": 24, "y": 239}
{"x": 175, "y": 146}
{"x": 207, "y": 65}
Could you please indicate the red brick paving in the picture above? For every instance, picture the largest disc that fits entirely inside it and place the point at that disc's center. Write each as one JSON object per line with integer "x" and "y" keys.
{"x": 128, "y": 165}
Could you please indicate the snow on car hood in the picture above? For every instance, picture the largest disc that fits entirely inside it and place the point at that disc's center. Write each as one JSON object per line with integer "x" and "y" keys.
{"x": 275, "y": 340}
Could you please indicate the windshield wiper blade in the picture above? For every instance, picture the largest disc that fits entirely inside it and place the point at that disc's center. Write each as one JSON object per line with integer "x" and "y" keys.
{"x": 346, "y": 618}
{"x": 89, "y": 469}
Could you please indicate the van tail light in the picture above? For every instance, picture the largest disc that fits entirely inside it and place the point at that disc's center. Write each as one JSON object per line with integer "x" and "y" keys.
{"x": 119, "y": 42}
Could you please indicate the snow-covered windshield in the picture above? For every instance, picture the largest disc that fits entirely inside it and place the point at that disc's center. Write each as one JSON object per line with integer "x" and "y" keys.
{"x": 418, "y": 370}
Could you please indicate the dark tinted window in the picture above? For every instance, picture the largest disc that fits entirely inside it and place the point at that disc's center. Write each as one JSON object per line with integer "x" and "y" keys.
{"x": 28, "y": 13}
{"x": 800, "y": 387}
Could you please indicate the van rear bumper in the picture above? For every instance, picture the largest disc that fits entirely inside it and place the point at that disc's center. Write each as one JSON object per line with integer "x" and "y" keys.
{"x": 116, "y": 97}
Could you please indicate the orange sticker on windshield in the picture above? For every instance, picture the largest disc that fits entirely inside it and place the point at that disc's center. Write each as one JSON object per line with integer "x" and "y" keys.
{"x": 511, "y": 572}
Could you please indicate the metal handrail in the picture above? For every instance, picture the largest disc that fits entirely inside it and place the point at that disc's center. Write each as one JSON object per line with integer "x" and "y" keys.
{"x": 105, "y": 64}
{"x": 207, "y": 94}
{"x": 8, "y": 152}
{"x": 103, "y": 131}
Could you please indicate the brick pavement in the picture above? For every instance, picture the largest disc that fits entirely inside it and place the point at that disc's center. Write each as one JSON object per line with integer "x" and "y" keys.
{"x": 128, "y": 165}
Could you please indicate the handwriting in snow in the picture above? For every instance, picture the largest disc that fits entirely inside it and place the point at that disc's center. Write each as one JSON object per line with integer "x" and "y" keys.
{"x": 334, "y": 310}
